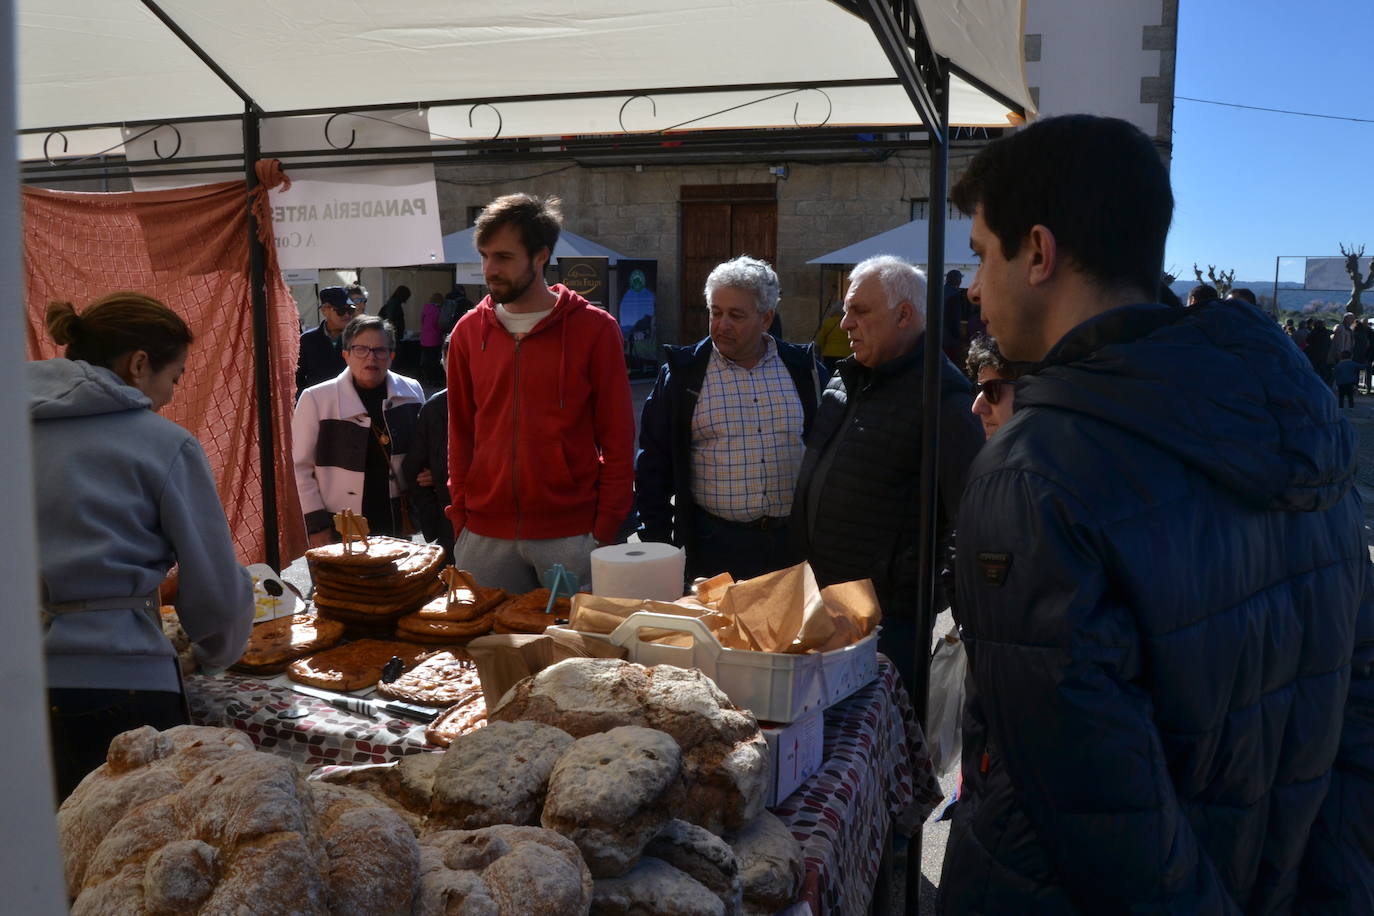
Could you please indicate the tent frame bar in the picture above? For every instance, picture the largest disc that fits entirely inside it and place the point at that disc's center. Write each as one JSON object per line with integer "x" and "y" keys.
{"x": 200, "y": 53}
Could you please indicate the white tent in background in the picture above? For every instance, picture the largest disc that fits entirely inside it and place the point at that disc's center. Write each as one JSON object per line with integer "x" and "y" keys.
{"x": 459, "y": 248}
{"x": 908, "y": 241}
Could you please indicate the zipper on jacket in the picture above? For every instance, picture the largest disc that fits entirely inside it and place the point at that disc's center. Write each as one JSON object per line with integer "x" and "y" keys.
{"x": 514, "y": 444}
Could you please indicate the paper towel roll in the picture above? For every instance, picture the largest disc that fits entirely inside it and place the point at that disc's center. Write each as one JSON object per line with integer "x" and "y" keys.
{"x": 648, "y": 570}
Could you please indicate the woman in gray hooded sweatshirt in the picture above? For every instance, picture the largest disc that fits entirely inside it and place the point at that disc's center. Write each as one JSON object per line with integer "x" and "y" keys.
{"x": 123, "y": 494}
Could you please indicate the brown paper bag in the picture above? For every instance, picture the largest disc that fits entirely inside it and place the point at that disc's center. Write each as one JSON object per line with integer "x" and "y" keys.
{"x": 505, "y": 659}
{"x": 856, "y": 601}
{"x": 599, "y": 614}
{"x": 769, "y": 608}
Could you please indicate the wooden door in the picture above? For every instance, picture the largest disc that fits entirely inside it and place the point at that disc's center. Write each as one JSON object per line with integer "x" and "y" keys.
{"x": 720, "y": 222}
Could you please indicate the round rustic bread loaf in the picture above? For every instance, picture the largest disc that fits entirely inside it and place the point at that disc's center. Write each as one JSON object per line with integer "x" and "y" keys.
{"x": 193, "y": 821}
{"x": 655, "y": 887}
{"x": 140, "y": 766}
{"x": 502, "y": 871}
{"x": 724, "y": 755}
{"x": 496, "y": 775}
{"x": 404, "y": 785}
{"x": 771, "y": 866}
{"x": 705, "y": 857}
{"x": 608, "y": 792}
{"x": 374, "y": 860}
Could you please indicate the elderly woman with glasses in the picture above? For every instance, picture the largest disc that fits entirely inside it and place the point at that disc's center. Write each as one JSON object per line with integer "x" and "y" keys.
{"x": 995, "y": 383}
{"x": 350, "y": 434}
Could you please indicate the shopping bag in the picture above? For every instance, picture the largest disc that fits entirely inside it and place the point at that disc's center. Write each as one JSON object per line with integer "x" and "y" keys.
{"x": 945, "y": 708}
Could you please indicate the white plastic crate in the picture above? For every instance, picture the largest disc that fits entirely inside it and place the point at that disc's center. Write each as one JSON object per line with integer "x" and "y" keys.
{"x": 776, "y": 687}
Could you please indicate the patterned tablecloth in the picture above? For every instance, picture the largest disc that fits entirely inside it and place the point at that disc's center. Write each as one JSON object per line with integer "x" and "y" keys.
{"x": 876, "y": 772}
{"x": 876, "y": 769}
{"x": 325, "y": 735}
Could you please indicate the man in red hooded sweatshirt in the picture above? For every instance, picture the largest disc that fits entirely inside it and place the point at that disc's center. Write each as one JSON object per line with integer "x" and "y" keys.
{"x": 541, "y": 429}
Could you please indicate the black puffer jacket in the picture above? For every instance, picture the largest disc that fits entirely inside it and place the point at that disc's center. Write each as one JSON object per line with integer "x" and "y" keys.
{"x": 1167, "y": 607}
{"x": 866, "y": 514}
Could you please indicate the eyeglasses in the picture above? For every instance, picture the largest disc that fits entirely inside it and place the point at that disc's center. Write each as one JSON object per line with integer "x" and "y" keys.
{"x": 991, "y": 389}
{"x": 362, "y": 352}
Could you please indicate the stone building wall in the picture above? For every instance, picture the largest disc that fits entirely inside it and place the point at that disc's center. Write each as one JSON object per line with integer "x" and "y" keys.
{"x": 635, "y": 210}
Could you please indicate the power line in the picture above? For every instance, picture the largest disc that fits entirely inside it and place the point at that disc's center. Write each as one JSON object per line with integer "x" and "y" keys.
{"x": 1301, "y": 114}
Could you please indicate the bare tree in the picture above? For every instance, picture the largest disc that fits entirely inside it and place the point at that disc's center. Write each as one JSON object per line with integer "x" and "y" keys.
{"x": 1357, "y": 286}
{"x": 1222, "y": 282}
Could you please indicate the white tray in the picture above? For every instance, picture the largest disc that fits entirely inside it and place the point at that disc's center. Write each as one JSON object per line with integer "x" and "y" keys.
{"x": 776, "y": 687}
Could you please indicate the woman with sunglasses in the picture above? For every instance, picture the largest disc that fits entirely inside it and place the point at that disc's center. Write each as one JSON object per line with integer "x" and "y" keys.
{"x": 351, "y": 433}
{"x": 995, "y": 388}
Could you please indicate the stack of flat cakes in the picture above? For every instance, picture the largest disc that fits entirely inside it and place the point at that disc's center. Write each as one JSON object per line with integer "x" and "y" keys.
{"x": 465, "y": 611}
{"x": 377, "y": 581}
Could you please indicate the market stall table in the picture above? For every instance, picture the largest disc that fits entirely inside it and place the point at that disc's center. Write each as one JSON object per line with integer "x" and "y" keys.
{"x": 875, "y": 774}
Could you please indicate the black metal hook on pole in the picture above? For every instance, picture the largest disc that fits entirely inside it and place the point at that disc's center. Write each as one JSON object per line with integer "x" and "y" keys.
{"x": 829, "y": 110}
{"x": 176, "y": 149}
{"x": 500, "y": 122}
{"x": 47, "y": 139}
{"x": 626, "y": 104}
{"x": 352, "y": 134}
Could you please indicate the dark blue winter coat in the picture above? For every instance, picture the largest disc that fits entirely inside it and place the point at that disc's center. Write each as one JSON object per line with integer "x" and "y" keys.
{"x": 1167, "y": 607}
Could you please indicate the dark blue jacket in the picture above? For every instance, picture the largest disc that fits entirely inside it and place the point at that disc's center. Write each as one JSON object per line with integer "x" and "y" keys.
{"x": 1166, "y": 601}
{"x": 663, "y": 464}
{"x": 321, "y": 359}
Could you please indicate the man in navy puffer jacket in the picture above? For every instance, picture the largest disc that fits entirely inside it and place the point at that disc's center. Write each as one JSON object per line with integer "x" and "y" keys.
{"x": 1164, "y": 584}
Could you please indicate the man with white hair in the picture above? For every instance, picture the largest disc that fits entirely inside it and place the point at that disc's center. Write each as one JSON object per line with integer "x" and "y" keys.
{"x": 722, "y": 435}
{"x": 858, "y": 496}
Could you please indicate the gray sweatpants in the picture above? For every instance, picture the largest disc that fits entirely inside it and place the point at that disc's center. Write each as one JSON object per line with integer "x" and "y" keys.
{"x": 518, "y": 566}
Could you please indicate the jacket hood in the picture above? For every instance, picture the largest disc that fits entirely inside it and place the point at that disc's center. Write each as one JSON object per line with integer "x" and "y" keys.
{"x": 1219, "y": 387}
{"x": 568, "y": 302}
{"x": 60, "y": 388}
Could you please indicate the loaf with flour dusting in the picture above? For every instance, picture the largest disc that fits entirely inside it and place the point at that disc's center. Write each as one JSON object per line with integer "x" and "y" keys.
{"x": 724, "y": 755}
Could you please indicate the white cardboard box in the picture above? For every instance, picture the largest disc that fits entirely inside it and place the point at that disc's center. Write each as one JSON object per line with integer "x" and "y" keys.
{"x": 794, "y": 753}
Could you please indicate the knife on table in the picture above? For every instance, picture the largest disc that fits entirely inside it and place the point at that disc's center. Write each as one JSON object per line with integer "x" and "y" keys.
{"x": 371, "y": 709}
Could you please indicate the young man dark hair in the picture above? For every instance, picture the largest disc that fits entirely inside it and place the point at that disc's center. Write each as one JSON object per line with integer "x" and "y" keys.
{"x": 538, "y": 220}
{"x": 1243, "y": 294}
{"x": 1150, "y": 725}
{"x": 1034, "y": 177}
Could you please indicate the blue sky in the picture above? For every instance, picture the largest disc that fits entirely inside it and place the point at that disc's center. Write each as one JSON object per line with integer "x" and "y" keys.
{"x": 1252, "y": 185}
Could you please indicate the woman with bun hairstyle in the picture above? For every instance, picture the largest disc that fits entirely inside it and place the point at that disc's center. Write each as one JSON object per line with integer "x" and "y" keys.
{"x": 122, "y": 494}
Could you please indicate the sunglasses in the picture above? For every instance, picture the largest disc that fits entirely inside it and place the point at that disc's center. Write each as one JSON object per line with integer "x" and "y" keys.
{"x": 992, "y": 389}
{"x": 342, "y": 310}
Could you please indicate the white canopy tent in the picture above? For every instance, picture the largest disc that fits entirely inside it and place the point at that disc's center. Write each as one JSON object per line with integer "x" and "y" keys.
{"x": 459, "y": 248}
{"x": 910, "y": 241}
{"x": 546, "y": 68}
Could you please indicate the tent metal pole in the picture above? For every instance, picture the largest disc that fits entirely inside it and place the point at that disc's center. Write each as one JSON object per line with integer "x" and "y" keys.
{"x": 262, "y": 371}
{"x": 930, "y": 444}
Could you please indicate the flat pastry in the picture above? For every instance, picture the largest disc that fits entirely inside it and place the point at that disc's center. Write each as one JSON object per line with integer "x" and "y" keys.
{"x": 374, "y": 551}
{"x": 465, "y": 599}
{"x": 442, "y": 680}
{"x": 275, "y": 643}
{"x": 351, "y": 666}
{"x": 525, "y": 613}
{"x": 383, "y": 602}
{"x": 414, "y": 624}
{"x": 454, "y": 721}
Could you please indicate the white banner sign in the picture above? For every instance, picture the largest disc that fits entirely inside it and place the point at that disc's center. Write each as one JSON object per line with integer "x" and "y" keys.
{"x": 1330, "y": 273}
{"x": 380, "y": 216}
{"x": 384, "y": 216}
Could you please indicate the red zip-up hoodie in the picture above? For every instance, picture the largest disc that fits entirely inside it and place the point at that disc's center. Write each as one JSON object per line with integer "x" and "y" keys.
{"x": 541, "y": 430}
